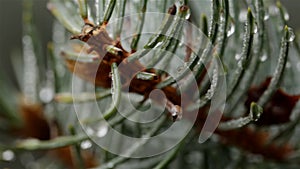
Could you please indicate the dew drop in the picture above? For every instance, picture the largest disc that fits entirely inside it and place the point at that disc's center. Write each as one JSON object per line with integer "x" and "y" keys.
{"x": 237, "y": 56}
{"x": 182, "y": 41}
{"x": 267, "y": 16}
{"x": 292, "y": 35}
{"x": 110, "y": 165}
{"x": 231, "y": 30}
{"x": 264, "y": 57}
{"x": 102, "y": 131}
{"x": 288, "y": 65}
{"x": 188, "y": 15}
{"x": 176, "y": 112}
{"x": 89, "y": 131}
{"x": 243, "y": 16}
{"x": 8, "y": 155}
{"x": 286, "y": 16}
{"x": 181, "y": 44}
{"x": 158, "y": 44}
{"x": 46, "y": 94}
{"x": 111, "y": 35}
{"x": 255, "y": 29}
{"x": 86, "y": 144}
{"x": 222, "y": 19}
{"x": 112, "y": 90}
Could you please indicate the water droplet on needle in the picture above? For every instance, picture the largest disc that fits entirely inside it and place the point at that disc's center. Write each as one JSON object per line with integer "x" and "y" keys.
{"x": 8, "y": 155}
{"x": 292, "y": 35}
{"x": 102, "y": 131}
{"x": 264, "y": 57}
{"x": 231, "y": 30}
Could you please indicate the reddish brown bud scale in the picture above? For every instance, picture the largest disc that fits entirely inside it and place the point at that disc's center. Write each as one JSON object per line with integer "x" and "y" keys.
{"x": 256, "y": 142}
{"x": 184, "y": 8}
{"x": 172, "y": 10}
{"x": 35, "y": 124}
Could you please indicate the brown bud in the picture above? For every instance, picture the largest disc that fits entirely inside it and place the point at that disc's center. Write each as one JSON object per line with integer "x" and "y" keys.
{"x": 184, "y": 8}
{"x": 172, "y": 10}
